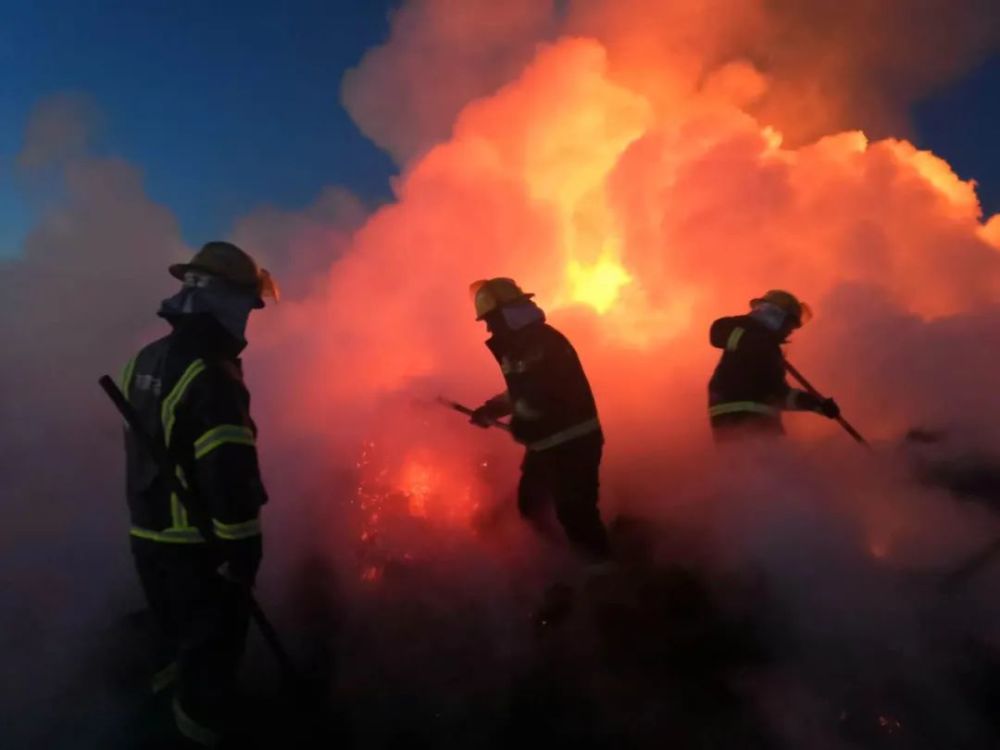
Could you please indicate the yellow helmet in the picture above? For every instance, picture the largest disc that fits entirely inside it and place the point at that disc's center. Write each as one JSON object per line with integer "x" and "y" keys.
{"x": 492, "y": 294}
{"x": 795, "y": 308}
{"x": 226, "y": 261}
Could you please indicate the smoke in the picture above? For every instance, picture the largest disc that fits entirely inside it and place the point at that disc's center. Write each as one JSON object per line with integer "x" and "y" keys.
{"x": 74, "y": 303}
{"x": 644, "y": 168}
{"x": 808, "y": 69}
{"x": 61, "y": 127}
{"x": 820, "y": 67}
{"x": 441, "y": 54}
{"x": 648, "y": 172}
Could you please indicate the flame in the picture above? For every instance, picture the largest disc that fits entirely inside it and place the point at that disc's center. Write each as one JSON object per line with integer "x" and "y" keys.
{"x": 597, "y": 285}
{"x": 423, "y": 487}
{"x": 639, "y": 209}
{"x": 416, "y": 486}
{"x": 570, "y": 149}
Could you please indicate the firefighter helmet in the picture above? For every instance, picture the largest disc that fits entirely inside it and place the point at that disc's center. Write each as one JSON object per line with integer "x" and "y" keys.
{"x": 795, "y": 308}
{"x": 226, "y": 261}
{"x": 492, "y": 294}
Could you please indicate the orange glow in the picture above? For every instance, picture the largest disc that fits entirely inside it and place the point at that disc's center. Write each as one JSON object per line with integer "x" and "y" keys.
{"x": 939, "y": 175}
{"x": 435, "y": 488}
{"x": 416, "y": 480}
{"x": 640, "y": 193}
{"x": 422, "y": 488}
{"x": 990, "y": 231}
{"x": 597, "y": 285}
{"x": 879, "y": 549}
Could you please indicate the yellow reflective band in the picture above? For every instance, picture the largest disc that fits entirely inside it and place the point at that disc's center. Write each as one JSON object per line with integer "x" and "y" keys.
{"x": 235, "y": 531}
{"x": 224, "y": 433}
{"x": 734, "y": 339}
{"x": 571, "y": 433}
{"x": 167, "y": 415}
{"x": 189, "y": 535}
{"x": 127, "y": 375}
{"x": 197, "y": 733}
{"x": 734, "y": 407}
{"x": 178, "y": 513}
{"x": 175, "y": 512}
{"x": 164, "y": 678}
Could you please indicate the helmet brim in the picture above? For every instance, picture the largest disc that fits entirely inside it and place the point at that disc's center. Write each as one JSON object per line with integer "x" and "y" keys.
{"x": 522, "y": 298}
{"x": 179, "y": 270}
{"x": 804, "y": 316}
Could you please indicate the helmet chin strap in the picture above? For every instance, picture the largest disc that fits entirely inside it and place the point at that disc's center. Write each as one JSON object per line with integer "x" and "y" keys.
{"x": 771, "y": 316}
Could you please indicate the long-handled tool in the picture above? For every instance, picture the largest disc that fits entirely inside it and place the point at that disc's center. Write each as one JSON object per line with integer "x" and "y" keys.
{"x": 159, "y": 454}
{"x": 961, "y": 573}
{"x": 973, "y": 565}
{"x": 461, "y": 409}
{"x": 811, "y": 389}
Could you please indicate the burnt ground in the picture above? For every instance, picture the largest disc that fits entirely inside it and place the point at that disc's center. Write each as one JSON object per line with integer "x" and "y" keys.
{"x": 647, "y": 656}
{"x": 664, "y": 651}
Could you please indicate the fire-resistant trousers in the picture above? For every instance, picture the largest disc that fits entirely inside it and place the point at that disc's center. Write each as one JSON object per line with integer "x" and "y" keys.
{"x": 740, "y": 425}
{"x": 567, "y": 476}
{"x": 202, "y": 621}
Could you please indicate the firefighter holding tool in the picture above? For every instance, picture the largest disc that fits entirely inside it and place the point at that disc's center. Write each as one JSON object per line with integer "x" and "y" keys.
{"x": 552, "y": 413}
{"x": 748, "y": 391}
{"x": 188, "y": 392}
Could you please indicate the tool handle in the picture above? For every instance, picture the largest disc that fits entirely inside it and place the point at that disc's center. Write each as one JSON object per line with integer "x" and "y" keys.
{"x": 131, "y": 417}
{"x": 848, "y": 428}
{"x": 972, "y": 566}
{"x": 462, "y": 409}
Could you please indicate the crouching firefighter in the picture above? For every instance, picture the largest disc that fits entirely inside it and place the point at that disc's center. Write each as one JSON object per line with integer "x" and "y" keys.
{"x": 552, "y": 411}
{"x": 748, "y": 391}
{"x": 188, "y": 391}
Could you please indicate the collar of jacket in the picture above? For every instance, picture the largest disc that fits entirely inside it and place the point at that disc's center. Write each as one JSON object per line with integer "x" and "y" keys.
{"x": 501, "y": 344}
{"x": 205, "y": 336}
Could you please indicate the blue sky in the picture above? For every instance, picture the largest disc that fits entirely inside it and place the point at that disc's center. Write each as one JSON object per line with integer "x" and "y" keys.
{"x": 228, "y": 105}
{"x": 224, "y": 105}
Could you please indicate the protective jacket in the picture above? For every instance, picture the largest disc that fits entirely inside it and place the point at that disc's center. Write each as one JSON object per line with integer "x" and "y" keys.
{"x": 750, "y": 377}
{"x": 550, "y": 398}
{"x": 188, "y": 390}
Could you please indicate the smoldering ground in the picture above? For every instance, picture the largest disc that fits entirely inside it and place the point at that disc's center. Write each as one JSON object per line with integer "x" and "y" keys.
{"x": 772, "y": 597}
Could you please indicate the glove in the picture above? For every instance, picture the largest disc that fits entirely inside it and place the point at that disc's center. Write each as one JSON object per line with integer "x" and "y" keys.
{"x": 232, "y": 574}
{"x": 828, "y": 408}
{"x": 242, "y": 561}
{"x": 482, "y": 417}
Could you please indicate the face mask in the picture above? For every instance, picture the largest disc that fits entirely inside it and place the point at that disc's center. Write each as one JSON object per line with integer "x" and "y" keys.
{"x": 206, "y": 294}
{"x": 521, "y": 315}
{"x": 771, "y": 316}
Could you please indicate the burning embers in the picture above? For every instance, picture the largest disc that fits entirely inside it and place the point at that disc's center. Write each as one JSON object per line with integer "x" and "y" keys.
{"x": 403, "y": 498}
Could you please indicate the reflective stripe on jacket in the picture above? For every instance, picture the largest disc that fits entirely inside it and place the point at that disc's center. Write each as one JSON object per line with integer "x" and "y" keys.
{"x": 551, "y": 400}
{"x": 750, "y": 375}
{"x": 188, "y": 391}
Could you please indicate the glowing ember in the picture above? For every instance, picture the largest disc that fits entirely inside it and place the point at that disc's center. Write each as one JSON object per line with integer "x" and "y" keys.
{"x": 417, "y": 482}
{"x": 423, "y": 487}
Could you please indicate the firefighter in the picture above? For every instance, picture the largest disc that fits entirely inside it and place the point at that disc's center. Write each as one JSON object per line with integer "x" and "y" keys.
{"x": 188, "y": 389}
{"x": 748, "y": 391}
{"x": 552, "y": 411}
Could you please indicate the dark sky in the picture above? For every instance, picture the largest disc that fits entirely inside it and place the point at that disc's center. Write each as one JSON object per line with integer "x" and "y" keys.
{"x": 962, "y": 124}
{"x": 228, "y": 105}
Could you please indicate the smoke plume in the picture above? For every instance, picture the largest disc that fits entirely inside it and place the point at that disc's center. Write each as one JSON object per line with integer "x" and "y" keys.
{"x": 644, "y": 168}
